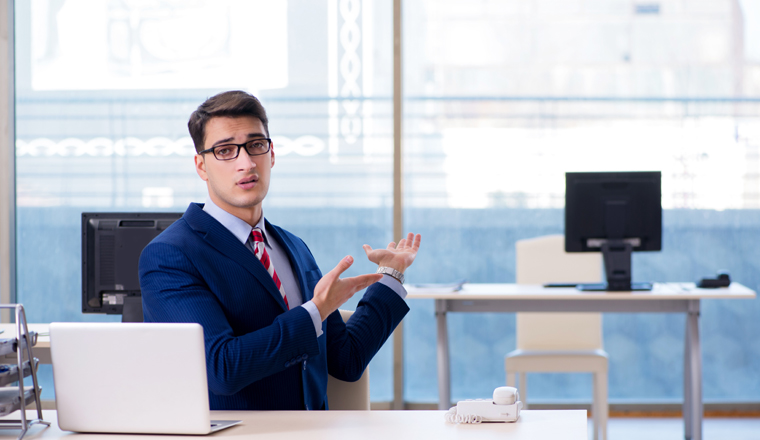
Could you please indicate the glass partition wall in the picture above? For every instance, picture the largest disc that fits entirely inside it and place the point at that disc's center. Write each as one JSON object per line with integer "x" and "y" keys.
{"x": 500, "y": 100}
{"x": 105, "y": 89}
{"x": 503, "y": 98}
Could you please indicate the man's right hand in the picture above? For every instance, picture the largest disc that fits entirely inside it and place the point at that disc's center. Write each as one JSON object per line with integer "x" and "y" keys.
{"x": 332, "y": 292}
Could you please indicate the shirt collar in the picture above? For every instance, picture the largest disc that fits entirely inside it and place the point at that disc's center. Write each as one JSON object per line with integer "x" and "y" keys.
{"x": 238, "y": 227}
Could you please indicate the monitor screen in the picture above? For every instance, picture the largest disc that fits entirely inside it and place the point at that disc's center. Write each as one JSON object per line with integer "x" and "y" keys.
{"x": 613, "y": 213}
{"x": 111, "y": 247}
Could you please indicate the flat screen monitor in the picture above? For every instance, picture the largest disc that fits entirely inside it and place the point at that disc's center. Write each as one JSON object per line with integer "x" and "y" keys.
{"x": 614, "y": 213}
{"x": 111, "y": 247}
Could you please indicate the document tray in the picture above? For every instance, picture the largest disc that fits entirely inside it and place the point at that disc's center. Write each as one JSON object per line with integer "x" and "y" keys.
{"x": 10, "y": 398}
{"x": 9, "y": 345}
{"x": 9, "y": 372}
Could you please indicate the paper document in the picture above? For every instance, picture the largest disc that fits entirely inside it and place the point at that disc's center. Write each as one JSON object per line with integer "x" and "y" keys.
{"x": 437, "y": 287}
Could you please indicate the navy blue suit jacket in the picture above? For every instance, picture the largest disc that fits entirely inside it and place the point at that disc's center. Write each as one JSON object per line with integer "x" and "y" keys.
{"x": 259, "y": 355}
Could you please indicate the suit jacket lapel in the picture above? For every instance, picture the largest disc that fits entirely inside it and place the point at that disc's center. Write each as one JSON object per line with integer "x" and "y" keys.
{"x": 306, "y": 295}
{"x": 219, "y": 237}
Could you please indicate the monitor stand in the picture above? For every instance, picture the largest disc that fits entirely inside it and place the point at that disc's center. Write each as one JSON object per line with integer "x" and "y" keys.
{"x": 132, "y": 310}
{"x": 617, "y": 267}
{"x": 602, "y": 287}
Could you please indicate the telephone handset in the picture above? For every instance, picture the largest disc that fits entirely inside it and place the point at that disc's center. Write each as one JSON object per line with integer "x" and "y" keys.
{"x": 505, "y": 407}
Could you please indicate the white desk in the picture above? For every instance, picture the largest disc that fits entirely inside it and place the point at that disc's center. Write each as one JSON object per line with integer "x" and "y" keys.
{"x": 667, "y": 297}
{"x": 41, "y": 349}
{"x": 353, "y": 425}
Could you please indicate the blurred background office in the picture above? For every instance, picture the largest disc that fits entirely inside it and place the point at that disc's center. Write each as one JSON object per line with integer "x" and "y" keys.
{"x": 500, "y": 99}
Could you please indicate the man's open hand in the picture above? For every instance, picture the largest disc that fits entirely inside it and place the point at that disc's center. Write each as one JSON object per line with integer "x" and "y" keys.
{"x": 397, "y": 256}
{"x": 332, "y": 292}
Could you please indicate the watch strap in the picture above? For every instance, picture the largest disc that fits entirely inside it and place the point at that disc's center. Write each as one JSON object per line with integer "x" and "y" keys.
{"x": 392, "y": 272}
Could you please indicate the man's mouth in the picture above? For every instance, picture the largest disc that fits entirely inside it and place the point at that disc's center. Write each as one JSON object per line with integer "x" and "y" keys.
{"x": 248, "y": 182}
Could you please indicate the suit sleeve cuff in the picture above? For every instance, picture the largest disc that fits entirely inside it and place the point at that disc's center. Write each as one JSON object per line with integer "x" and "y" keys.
{"x": 394, "y": 285}
{"x": 316, "y": 318}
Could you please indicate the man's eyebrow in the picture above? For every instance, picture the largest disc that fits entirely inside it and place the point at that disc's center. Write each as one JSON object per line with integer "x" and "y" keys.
{"x": 222, "y": 141}
{"x": 228, "y": 140}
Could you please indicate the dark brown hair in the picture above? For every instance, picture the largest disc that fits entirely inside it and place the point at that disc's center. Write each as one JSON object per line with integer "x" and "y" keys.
{"x": 234, "y": 103}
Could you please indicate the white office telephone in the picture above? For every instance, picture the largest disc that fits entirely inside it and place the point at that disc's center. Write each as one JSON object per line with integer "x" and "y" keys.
{"x": 505, "y": 407}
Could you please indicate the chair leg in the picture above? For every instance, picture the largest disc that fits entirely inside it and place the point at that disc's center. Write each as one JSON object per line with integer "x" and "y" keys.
{"x": 523, "y": 388}
{"x": 601, "y": 407}
{"x": 510, "y": 379}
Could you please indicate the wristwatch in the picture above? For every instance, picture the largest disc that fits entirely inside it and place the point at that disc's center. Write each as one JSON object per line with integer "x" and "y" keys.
{"x": 392, "y": 272}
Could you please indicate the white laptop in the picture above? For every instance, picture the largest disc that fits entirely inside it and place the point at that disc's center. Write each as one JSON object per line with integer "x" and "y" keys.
{"x": 131, "y": 378}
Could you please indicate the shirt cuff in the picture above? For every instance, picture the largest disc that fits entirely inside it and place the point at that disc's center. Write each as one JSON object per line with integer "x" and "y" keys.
{"x": 394, "y": 285}
{"x": 316, "y": 318}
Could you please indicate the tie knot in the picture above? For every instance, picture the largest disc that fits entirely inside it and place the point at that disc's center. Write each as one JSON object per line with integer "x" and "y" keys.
{"x": 257, "y": 235}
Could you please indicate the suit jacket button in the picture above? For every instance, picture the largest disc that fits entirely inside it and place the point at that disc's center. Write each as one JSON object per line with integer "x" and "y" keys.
{"x": 288, "y": 364}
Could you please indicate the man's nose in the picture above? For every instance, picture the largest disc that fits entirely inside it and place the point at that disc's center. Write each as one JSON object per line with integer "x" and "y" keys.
{"x": 244, "y": 160}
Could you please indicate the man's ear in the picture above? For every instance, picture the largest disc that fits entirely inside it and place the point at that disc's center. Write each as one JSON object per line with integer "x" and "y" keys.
{"x": 272, "y": 151}
{"x": 200, "y": 167}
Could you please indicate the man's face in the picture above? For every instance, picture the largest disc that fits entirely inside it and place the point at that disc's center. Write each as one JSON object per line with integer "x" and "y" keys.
{"x": 238, "y": 186}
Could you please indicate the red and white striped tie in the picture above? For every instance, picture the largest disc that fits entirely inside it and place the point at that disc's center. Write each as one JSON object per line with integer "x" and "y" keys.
{"x": 261, "y": 253}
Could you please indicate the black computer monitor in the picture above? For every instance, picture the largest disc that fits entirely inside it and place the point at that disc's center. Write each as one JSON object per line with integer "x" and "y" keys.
{"x": 614, "y": 213}
{"x": 111, "y": 247}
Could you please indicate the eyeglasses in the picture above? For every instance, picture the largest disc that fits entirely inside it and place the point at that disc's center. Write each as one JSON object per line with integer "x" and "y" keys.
{"x": 254, "y": 147}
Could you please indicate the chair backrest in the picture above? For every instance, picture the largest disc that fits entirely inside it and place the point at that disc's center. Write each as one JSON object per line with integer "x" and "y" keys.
{"x": 344, "y": 395}
{"x": 544, "y": 260}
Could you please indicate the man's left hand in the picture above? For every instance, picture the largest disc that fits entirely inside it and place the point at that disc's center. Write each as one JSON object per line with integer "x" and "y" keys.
{"x": 397, "y": 256}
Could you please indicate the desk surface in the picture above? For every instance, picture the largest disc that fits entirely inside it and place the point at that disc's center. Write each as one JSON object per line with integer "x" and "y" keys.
{"x": 43, "y": 330}
{"x": 479, "y": 291}
{"x": 661, "y": 291}
{"x": 484, "y": 291}
{"x": 354, "y": 425}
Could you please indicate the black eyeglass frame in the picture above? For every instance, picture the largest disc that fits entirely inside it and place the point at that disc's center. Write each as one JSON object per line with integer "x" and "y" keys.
{"x": 239, "y": 147}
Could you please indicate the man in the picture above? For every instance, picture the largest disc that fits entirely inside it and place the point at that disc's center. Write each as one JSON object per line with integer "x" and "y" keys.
{"x": 271, "y": 327}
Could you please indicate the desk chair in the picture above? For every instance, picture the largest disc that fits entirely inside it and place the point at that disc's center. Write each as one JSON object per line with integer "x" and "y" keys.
{"x": 348, "y": 395}
{"x": 559, "y": 342}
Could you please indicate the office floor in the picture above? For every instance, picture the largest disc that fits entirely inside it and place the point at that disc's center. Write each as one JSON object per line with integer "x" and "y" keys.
{"x": 656, "y": 428}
